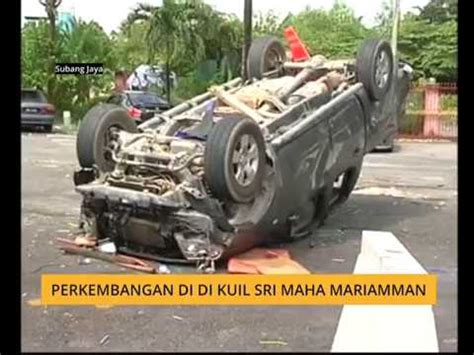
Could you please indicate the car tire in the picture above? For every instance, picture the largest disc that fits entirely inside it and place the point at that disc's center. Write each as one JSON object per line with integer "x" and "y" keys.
{"x": 91, "y": 141}
{"x": 48, "y": 128}
{"x": 234, "y": 159}
{"x": 265, "y": 54}
{"x": 384, "y": 149}
{"x": 387, "y": 146}
{"x": 374, "y": 67}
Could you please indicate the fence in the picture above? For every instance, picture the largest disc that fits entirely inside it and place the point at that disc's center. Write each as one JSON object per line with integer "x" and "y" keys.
{"x": 431, "y": 112}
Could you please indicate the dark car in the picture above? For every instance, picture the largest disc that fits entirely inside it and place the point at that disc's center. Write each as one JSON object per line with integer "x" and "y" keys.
{"x": 247, "y": 163}
{"x": 141, "y": 105}
{"x": 35, "y": 110}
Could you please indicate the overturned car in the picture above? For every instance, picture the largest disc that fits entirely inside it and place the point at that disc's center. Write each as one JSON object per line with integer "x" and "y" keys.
{"x": 245, "y": 163}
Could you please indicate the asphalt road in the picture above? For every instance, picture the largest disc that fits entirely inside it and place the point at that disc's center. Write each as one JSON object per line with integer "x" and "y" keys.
{"x": 423, "y": 176}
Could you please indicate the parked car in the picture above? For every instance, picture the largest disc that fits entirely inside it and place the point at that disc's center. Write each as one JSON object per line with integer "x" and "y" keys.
{"x": 35, "y": 110}
{"x": 141, "y": 105}
{"x": 247, "y": 163}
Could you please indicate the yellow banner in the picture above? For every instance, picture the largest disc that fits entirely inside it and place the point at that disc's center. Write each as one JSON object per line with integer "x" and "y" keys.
{"x": 322, "y": 289}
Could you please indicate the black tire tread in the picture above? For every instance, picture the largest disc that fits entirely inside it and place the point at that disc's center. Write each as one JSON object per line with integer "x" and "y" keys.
{"x": 91, "y": 124}
{"x": 365, "y": 64}
{"x": 215, "y": 156}
{"x": 257, "y": 52}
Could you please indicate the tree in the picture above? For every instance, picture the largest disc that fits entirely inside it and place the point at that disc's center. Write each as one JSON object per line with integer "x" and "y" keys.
{"x": 336, "y": 32}
{"x": 430, "y": 47}
{"x": 440, "y": 11}
{"x": 171, "y": 30}
{"x": 86, "y": 42}
{"x": 130, "y": 49}
{"x": 51, "y": 6}
{"x": 269, "y": 24}
{"x": 182, "y": 33}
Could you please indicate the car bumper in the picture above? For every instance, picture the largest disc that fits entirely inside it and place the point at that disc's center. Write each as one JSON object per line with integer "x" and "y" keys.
{"x": 150, "y": 222}
{"x": 36, "y": 120}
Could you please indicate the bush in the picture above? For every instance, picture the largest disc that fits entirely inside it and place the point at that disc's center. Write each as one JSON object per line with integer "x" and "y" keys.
{"x": 449, "y": 102}
{"x": 190, "y": 86}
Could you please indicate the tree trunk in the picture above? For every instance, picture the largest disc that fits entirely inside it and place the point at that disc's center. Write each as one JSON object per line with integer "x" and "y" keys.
{"x": 50, "y": 7}
{"x": 52, "y": 62}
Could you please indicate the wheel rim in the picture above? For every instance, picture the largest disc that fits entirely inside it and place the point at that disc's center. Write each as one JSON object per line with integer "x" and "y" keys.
{"x": 273, "y": 61}
{"x": 382, "y": 69}
{"x": 245, "y": 160}
{"x": 109, "y": 139}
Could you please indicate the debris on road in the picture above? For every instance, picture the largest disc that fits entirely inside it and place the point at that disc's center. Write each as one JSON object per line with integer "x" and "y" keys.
{"x": 35, "y": 302}
{"x": 104, "y": 340}
{"x": 85, "y": 241}
{"x": 273, "y": 342}
{"x": 129, "y": 262}
{"x": 384, "y": 191}
{"x": 178, "y": 318}
{"x": 84, "y": 261}
{"x": 108, "y": 248}
{"x": 163, "y": 269}
{"x": 265, "y": 261}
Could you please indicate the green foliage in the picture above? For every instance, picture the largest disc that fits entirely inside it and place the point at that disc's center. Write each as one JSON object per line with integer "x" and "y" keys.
{"x": 269, "y": 24}
{"x": 431, "y": 48}
{"x": 440, "y": 11}
{"x": 449, "y": 102}
{"x": 34, "y": 55}
{"x": 85, "y": 43}
{"x": 191, "y": 85}
{"x": 186, "y": 33}
{"x": 333, "y": 33}
{"x": 428, "y": 40}
{"x": 130, "y": 50}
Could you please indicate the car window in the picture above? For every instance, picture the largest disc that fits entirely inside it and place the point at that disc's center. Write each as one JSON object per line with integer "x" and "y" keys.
{"x": 146, "y": 99}
{"x": 33, "y": 96}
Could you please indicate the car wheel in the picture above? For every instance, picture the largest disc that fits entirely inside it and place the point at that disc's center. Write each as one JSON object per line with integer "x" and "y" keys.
{"x": 95, "y": 135}
{"x": 234, "y": 159}
{"x": 387, "y": 146}
{"x": 384, "y": 149}
{"x": 374, "y": 67}
{"x": 265, "y": 54}
{"x": 48, "y": 128}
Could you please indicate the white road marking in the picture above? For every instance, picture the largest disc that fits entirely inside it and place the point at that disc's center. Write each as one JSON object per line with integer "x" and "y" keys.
{"x": 380, "y": 328}
{"x": 404, "y": 166}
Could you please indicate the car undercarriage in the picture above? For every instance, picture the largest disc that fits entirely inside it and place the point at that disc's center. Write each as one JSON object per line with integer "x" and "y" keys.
{"x": 244, "y": 164}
